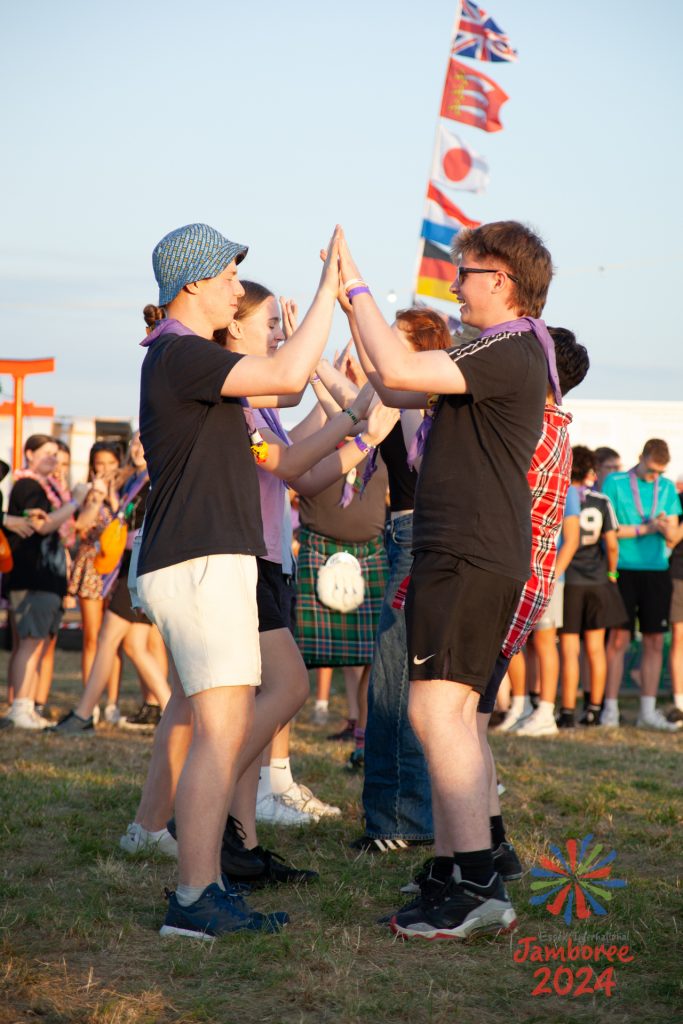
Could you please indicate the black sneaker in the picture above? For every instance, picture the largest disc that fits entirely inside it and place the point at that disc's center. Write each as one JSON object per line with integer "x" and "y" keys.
{"x": 456, "y": 910}
{"x": 675, "y": 715}
{"x": 277, "y": 872}
{"x": 345, "y": 734}
{"x": 377, "y": 844}
{"x": 591, "y": 715}
{"x": 534, "y": 699}
{"x": 147, "y": 716}
{"x": 507, "y": 863}
{"x": 216, "y": 913}
{"x": 238, "y": 864}
{"x": 565, "y": 720}
{"x": 72, "y": 725}
{"x": 356, "y": 761}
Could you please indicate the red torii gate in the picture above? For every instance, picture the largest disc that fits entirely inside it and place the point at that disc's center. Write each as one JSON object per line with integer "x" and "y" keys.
{"x": 19, "y": 369}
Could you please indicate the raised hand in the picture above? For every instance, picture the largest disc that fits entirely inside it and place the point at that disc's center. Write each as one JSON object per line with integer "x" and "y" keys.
{"x": 347, "y": 266}
{"x": 290, "y": 316}
{"x": 329, "y": 279}
{"x": 381, "y": 421}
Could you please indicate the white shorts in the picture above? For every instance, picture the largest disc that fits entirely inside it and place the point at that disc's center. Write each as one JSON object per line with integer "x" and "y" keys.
{"x": 205, "y": 609}
{"x": 552, "y": 617}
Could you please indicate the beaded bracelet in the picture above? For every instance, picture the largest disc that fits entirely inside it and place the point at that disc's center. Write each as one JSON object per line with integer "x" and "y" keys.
{"x": 354, "y": 280}
{"x": 357, "y": 291}
{"x": 354, "y": 418}
{"x": 362, "y": 445}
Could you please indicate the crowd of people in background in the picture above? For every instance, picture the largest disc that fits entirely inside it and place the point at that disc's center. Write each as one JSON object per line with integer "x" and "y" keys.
{"x": 246, "y": 555}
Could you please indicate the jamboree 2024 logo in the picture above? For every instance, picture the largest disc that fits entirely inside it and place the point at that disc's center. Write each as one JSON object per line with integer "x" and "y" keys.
{"x": 575, "y": 885}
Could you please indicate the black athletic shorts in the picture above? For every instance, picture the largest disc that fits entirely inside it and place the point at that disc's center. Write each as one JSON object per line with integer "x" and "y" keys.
{"x": 646, "y": 594}
{"x": 592, "y": 607}
{"x": 457, "y": 616}
{"x": 119, "y": 601}
{"x": 272, "y": 597}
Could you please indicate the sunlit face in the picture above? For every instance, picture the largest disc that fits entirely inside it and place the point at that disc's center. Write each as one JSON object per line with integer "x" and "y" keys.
{"x": 63, "y": 466}
{"x": 650, "y": 469}
{"x": 104, "y": 465}
{"x": 219, "y": 296}
{"x": 136, "y": 452}
{"x": 261, "y": 332}
{"x": 43, "y": 460}
{"x": 475, "y": 291}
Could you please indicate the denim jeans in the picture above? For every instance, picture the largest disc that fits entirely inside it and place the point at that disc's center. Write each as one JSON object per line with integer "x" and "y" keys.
{"x": 396, "y": 794}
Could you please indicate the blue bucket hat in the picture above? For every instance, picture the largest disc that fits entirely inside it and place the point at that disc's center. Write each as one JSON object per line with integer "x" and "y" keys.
{"x": 191, "y": 253}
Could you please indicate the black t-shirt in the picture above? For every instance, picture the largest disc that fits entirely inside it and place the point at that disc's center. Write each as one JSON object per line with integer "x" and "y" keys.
{"x": 472, "y": 497}
{"x": 402, "y": 480}
{"x": 39, "y": 561}
{"x": 588, "y": 567}
{"x": 676, "y": 562}
{"x": 204, "y": 497}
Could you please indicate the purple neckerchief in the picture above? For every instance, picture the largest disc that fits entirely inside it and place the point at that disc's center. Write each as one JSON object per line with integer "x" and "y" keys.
{"x": 272, "y": 418}
{"x": 525, "y": 323}
{"x": 633, "y": 480}
{"x": 540, "y": 332}
{"x": 368, "y": 472}
{"x": 165, "y": 327}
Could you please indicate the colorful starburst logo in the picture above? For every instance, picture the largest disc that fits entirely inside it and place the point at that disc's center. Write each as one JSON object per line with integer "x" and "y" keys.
{"x": 576, "y": 882}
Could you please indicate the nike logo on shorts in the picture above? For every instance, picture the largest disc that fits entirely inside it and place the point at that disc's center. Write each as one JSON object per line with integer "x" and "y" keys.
{"x": 421, "y": 661}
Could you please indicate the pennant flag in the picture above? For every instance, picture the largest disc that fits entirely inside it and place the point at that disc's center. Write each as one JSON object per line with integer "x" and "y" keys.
{"x": 480, "y": 38}
{"x": 436, "y": 273}
{"x": 442, "y": 218}
{"x": 455, "y": 165}
{"x": 472, "y": 98}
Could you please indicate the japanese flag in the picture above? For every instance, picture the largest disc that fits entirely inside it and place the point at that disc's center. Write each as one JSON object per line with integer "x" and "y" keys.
{"x": 456, "y": 167}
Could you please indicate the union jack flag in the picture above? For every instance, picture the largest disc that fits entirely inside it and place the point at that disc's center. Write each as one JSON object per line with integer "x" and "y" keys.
{"x": 480, "y": 38}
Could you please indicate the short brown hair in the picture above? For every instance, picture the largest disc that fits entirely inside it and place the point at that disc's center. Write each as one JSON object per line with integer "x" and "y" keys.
{"x": 425, "y": 329}
{"x": 657, "y": 449}
{"x": 521, "y": 253}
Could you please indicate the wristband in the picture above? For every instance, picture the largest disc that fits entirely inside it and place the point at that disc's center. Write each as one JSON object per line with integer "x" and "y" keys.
{"x": 637, "y": 531}
{"x": 357, "y": 291}
{"x": 362, "y": 445}
{"x": 314, "y": 379}
{"x": 354, "y": 418}
{"x": 614, "y": 576}
{"x": 349, "y": 284}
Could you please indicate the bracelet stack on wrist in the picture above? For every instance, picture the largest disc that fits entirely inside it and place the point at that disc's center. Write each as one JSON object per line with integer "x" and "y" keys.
{"x": 354, "y": 418}
{"x": 362, "y": 445}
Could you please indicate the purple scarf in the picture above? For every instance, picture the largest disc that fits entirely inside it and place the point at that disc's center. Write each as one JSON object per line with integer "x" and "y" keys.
{"x": 525, "y": 323}
{"x": 165, "y": 327}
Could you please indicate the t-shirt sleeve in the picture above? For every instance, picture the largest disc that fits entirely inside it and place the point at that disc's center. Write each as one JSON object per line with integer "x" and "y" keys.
{"x": 198, "y": 368}
{"x": 572, "y": 505}
{"x": 27, "y": 494}
{"x": 609, "y": 516}
{"x": 492, "y": 367}
{"x": 672, "y": 503}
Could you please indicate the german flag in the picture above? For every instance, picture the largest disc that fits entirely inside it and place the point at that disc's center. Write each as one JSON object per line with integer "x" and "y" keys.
{"x": 436, "y": 273}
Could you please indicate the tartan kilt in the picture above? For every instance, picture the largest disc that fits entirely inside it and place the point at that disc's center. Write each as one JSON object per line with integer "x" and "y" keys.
{"x": 326, "y": 637}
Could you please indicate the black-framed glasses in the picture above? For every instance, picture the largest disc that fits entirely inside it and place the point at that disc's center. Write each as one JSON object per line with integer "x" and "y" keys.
{"x": 462, "y": 272}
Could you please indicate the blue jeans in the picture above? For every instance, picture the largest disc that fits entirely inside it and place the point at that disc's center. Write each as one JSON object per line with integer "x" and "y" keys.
{"x": 396, "y": 794}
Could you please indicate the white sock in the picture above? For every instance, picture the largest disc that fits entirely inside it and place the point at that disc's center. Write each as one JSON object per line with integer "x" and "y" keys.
{"x": 546, "y": 709}
{"x": 219, "y": 883}
{"x": 154, "y": 835}
{"x": 517, "y": 704}
{"x": 611, "y": 704}
{"x": 678, "y": 701}
{"x": 647, "y": 706}
{"x": 264, "y": 787}
{"x": 187, "y": 894}
{"x": 23, "y": 704}
{"x": 280, "y": 775}
{"x": 322, "y": 705}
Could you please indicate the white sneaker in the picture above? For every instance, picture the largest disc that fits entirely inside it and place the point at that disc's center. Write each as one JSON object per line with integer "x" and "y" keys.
{"x": 609, "y": 718}
{"x": 138, "y": 840}
{"x": 112, "y": 715}
{"x": 43, "y": 723}
{"x": 656, "y": 720}
{"x": 513, "y": 718}
{"x": 320, "y": 716}
{"x": 26, "y": 718}
{"x": 272, "y": 810}
{"x": 96, "y": 714}
{"x": 301, "y": 798}
{"x": 537, "y": 724}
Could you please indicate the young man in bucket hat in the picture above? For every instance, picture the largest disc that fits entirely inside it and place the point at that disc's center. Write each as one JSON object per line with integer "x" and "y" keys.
{"x": 196, "y": 576}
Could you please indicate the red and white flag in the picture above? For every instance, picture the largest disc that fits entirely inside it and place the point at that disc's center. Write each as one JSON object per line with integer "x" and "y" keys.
{"x": 456, "y": 166}
{"x": 472, "y": 98}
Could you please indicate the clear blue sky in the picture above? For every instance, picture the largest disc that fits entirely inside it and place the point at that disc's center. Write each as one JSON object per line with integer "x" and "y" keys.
{"x": 273, "y": 121}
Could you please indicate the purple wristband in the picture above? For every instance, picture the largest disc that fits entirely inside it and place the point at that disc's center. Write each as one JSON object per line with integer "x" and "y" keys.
{"x": 357, "y": 291}
{"x": 362, "y": 446}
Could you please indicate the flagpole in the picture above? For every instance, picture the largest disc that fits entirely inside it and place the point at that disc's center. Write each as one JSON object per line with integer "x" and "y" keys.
{"x": 435, "y": 149}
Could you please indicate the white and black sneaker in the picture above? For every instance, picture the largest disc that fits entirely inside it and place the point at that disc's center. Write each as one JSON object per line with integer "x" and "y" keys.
{"x": 456, "y": 909}
{"x": 375, "y": 844}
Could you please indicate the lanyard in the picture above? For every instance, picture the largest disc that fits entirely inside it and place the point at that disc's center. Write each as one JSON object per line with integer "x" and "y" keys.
{"x": 635, "y": 491}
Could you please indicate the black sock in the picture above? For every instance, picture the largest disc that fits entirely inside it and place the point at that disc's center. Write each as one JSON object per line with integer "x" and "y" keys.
{"x": 497, "y": 831}
{"x": 442, "y": 868}
{"x": 475, "y": 866}
{"x": 567, "y": 711}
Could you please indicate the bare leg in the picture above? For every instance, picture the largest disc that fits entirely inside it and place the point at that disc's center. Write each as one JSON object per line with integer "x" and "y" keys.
{"x": 617, "y": 645}
{"x": 113, "y": 631}
{"x": 594, "y": 646}
{"x": 323, "y": 678}
{"x": 146, "y": 665}
{"x": 651, "y": 663}
{"x": 352, "y": 677}
{"x": 92, "y": 614}
{"x": 517, "y": 673}
{"x": 487, "y": 753}
{"x": 243, "y": 805}
{"x": 279, "y": 747}
{"x": 25, "y": 664}
{"x": 114, "y": 681}
{"x": 46, "y": 671}
{"x": 545, "y": 642}
{"x": 570, "y": 645}
{"x": 10, "y": 663}
{"x": 676, "y": 660}
{"x": 443, "y": 715}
